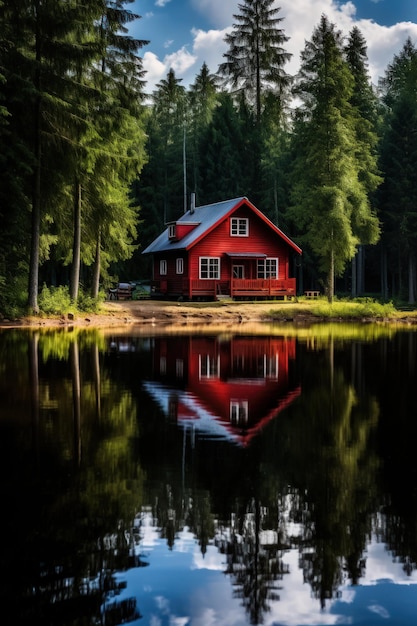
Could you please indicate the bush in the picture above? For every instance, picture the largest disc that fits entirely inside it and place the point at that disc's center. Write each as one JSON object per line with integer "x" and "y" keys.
{"x": 54, "y": 300}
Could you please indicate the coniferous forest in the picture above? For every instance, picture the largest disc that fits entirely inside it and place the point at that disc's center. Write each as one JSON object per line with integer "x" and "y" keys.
{"x": 93, "y": 166}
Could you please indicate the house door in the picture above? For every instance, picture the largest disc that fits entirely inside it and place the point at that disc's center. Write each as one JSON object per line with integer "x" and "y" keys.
{"x": 238, "y": 271}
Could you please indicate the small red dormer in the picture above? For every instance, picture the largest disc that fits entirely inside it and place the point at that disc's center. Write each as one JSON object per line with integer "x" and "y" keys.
{"x": 178, "y": 230}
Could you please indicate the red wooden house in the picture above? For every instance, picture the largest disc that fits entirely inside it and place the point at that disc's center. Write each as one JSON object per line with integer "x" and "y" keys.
{"x": 228, "y": 248}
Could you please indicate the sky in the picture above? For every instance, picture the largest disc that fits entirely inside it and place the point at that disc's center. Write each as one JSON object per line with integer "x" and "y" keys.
{"x": 183, "y": 34}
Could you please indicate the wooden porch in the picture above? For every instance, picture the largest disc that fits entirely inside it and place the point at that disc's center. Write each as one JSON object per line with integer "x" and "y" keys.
{"x": 234, "y": 288}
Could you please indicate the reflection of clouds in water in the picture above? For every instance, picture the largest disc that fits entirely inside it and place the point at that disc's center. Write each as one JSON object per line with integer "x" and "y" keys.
{"x": 381, "y": 567}
{"x": 202, "y": 595}
{"x": 379, "y": 610}
{"x": 162, "y": 604}
{"x": 296, "y": 605}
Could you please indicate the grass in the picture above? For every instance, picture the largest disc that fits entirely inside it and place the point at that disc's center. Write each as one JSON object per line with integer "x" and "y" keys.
{"x": 358, "y": 309}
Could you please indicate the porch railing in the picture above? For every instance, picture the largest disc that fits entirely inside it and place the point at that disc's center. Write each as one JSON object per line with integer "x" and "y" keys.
{"x": 194, "y": 287}
{"x": 262, "y": 286}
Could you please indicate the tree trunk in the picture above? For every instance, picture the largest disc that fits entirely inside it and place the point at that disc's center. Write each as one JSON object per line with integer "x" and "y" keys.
{"x": 36, "y": 224}
{"x": 384, "y": 273}
{"x": 330, "y": 285}
{"x": 76, "y": 247}
{"x": 411, "y": 279}
{"x": 97, "y": 266}
{"x": 361, "y": 271}
{"x": 33, "y": 286}
{"x": 354, "y": 291}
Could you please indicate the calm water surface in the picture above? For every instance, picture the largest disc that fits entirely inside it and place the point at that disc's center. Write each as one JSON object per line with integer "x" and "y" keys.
{"x": 218, "y": 479}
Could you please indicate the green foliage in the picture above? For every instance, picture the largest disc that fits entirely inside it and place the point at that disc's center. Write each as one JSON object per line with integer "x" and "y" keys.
{"x": 362, "y": 309}
{"x": 13, "y": 295}
{"x": 330, "y": 193}
{"x": 114, "y": 171}
{"x": 87, "y": 303}
{"x": 398, "y": 161}
{"x": 57, "y": 301}
{"x": 54, "y": 300}
{"x": 255, "y": 58}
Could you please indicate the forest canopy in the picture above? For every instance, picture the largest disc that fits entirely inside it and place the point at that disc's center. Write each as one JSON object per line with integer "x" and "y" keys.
{"x": 92, "y": 170}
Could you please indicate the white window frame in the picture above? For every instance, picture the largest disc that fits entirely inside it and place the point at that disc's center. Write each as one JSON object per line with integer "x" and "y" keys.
{"x": 172, "y": 231}
{"x": 239, "y": 227}
{"x": 163, "y": 267}
{"x": 267, "y": 268}
{"x": 179, "y": 265}
{"x": 209, "y": 265}
{"x": 208, "y": 366}
{"x": 179, "y": 368}
{"x": 239, "y": 410}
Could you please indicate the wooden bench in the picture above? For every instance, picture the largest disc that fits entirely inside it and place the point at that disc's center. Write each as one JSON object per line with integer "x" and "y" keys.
{"x": 311, "y": 293}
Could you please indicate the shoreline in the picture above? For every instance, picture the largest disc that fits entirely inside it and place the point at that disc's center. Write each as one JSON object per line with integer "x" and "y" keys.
{"x": 144, "y": 313}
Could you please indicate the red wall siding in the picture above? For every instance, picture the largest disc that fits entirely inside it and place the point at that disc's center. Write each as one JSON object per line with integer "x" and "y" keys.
{"x": 261, "y": 239}
{"x": 171, "y": 259}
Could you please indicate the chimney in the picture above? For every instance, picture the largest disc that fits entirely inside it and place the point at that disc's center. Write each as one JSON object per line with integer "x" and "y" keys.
{"x": 192, "y": 207}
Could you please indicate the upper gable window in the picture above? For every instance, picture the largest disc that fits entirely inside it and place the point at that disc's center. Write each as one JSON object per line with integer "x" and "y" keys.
{"x": 239, "y": 227}
{"x": 172, "y": 231}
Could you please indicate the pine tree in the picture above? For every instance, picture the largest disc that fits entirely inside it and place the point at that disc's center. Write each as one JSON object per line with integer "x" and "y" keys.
{"x": 222, "y": 155}
{"x": 203, "y": 98}
{"x": 328, "y": 196}
{"x": 398, "y": 194}
{"x": 170, "y": 111}
{"x": 365, "y": 106}
{"x": 255, "y": 59}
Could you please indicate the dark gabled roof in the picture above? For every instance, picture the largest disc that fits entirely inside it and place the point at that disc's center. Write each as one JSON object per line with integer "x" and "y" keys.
{"x": 206, "y": 218}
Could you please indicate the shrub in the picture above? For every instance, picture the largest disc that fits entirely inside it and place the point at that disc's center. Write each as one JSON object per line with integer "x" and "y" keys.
{"x": 54, "y": 300}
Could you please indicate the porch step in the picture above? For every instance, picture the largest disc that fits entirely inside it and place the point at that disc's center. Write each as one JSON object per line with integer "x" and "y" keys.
{"x": 223, "y": 298}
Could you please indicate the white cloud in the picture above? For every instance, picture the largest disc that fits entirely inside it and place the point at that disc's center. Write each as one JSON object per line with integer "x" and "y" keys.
{"x": 155, "y": 70}
{"x": 161, "y": 3}
{"x": 299, "y": 19}
{"x": 180, "y": 61}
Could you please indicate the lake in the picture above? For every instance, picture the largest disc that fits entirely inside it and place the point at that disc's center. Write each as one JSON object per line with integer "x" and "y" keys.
{"x": 218, "y": 478}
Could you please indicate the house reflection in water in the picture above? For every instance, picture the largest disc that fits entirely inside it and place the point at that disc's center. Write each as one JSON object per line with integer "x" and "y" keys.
{"x": 225, "y": 387}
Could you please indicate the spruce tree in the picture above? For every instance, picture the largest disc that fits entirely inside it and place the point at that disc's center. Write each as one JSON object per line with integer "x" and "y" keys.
{"x": 256, "y": 57}
{"x": 222, "y": 154}
{"x": 328, "y": 195}
{"x": 254, "y": 69}
{"x": 366, "y": 110}
{"x": 398, "y": 193}
{"x": 169, "y": 110}
{"x": 202, "y": 98}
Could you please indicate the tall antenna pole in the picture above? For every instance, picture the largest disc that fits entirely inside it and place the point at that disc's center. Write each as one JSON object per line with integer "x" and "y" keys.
{"x": 184, "y": 164}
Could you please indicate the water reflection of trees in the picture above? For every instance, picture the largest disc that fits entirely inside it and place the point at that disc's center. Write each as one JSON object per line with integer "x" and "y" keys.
{"x": 310, "y": 481}
{"x": 314, "y": 467}
{"x": 74, "y": 483}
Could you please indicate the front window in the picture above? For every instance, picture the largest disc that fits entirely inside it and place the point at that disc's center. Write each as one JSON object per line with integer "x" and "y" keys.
{"x": 162, "y": 267}
{"x": 180, "y": 266}
{"x": 239, "y": 227}
{"x": 268, "y": 268}
{"x": 210, "y": 267}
